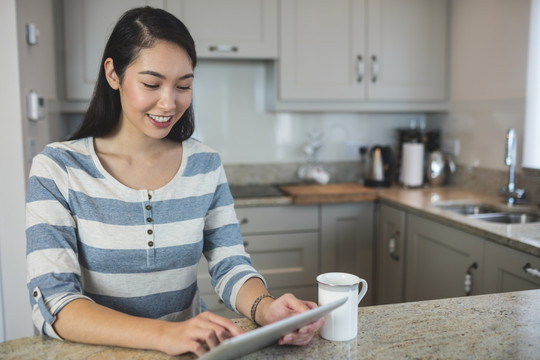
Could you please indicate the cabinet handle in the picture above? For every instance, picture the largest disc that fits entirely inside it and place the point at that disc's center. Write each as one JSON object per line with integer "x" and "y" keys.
{"x": 468, "y": 278}
{"x": 243, "y": 221}
{"x": 361, "y": 69}
{"x": 374, "y": 69}
{"x": 392, "y": 245}
{"x": 223, "y": 48}
{"x": 246, "y": 244}
{"x": 531, "y": 271}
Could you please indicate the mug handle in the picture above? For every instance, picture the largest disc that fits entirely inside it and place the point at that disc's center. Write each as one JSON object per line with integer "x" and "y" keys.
{"x": 363, "y": 291}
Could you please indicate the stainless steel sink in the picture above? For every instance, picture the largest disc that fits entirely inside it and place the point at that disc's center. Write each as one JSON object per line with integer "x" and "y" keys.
{"x": 507, "y": 217}
{"x": 468, "y": 209}
{"x": 491, "y": 213}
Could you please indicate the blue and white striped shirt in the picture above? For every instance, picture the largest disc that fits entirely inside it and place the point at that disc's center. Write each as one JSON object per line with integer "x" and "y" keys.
{"x": 136, "y": 251}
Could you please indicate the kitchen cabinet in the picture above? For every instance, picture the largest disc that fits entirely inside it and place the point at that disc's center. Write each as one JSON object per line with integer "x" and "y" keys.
{"x": 507, "y": 269}
{"x": 363, "y": 51}
{"x": 347, "y": 241}
{"x": 390, "y": 245}
{"x": 242, "y": 29}
{"x": 87, "y": 26}
{"x": 441, "y": 261}
{"x": 283, "y": 242}
{"x": 221, "y": 29}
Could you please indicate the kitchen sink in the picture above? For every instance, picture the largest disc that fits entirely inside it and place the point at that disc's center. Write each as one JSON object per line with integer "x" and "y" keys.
{"x": 507, "y": 217}
{"x": 468, "y": 209}
{"x": 491, "y": 213}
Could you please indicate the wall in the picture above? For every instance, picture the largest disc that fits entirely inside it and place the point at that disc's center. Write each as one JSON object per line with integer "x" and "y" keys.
{"x": 489, "y": 41}
{"x": 15, "y": 304}
{"x": 232, "y": 117}
{"x": 38, "y": 72}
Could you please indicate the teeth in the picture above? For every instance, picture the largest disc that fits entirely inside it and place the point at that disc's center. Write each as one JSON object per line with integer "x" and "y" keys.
{"x": 160, "y": 118}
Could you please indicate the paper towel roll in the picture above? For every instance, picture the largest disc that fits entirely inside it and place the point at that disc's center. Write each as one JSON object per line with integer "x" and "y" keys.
{"x": 412, "y": 164}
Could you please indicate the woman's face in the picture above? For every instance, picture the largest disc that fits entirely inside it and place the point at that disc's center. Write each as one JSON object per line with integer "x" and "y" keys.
{"x": 156, "y": 90}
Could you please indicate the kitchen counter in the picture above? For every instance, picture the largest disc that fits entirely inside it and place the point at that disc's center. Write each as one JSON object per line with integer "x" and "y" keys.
{"x": 421, "y": 201}
{"x": 425, "y": 201}
{"x": 496, "y": 326}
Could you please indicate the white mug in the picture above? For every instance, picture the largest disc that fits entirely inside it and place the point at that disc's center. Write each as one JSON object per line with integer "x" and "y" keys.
{"x": 341, "y": 324}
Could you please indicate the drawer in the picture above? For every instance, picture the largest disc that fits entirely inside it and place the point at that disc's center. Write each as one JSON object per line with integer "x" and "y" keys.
{"x": 272, "y": 219}
{"x": 284, "y": 260}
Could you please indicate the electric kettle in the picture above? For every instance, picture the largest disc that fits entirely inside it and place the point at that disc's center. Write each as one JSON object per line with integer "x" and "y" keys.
{"x": 381, "y": 167}
{"x": 439, "y": 167}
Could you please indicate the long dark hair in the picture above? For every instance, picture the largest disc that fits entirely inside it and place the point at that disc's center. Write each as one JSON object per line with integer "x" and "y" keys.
{"x": 137, "y": 29}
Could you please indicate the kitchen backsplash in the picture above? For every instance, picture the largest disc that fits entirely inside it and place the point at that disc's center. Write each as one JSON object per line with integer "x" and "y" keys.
{"x": 232, "y": 117}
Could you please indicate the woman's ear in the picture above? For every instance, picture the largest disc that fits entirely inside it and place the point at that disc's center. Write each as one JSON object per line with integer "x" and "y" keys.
{"x": 110, "y": 74}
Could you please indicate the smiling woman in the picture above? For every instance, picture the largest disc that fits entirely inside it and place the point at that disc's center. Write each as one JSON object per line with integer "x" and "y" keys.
{"x": 531, "y": 145}
{"x": 119, "y": 216}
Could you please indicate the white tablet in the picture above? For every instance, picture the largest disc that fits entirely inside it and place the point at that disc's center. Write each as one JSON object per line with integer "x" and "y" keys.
{"x": 266, "y": 335}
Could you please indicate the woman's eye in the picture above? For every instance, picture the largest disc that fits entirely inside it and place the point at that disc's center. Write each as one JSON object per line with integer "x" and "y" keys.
{"x": 150, "y": 86}
{"x": 184, "y": 87}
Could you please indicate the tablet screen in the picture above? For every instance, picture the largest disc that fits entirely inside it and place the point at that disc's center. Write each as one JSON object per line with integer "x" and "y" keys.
{"x": 266, "y": 335}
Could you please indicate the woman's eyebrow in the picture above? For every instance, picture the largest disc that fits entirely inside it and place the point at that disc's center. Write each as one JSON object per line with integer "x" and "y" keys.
{"x": 161, "y": 76}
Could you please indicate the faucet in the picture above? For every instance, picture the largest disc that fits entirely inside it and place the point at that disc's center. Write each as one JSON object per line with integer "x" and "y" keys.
{"x": 511, "y": 194}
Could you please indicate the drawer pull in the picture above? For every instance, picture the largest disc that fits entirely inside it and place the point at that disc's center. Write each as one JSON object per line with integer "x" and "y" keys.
{"x": 375, "y": 69}
{"x": 223, "y": 48}
{"x": 246, "y": 244}
{"x": 531, "y": 271}
{"x": 392, "y": 245}
{"x": 243, "y": 221}
{"x": 469, "y": 279}
{"x": 361, "y": 70}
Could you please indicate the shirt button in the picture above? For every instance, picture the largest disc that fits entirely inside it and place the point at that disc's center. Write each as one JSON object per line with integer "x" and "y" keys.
{"x": 35, "y": 294}
{"x": 150, "y": 243}
{"x": 149, "y": 197}
{"x": 148, "y": 207}
{"x": 149, "y": 231}
{"x": 149, "y": 219}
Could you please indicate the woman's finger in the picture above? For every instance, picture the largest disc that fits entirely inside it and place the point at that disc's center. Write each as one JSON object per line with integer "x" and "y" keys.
{"x": 231, "y": 328}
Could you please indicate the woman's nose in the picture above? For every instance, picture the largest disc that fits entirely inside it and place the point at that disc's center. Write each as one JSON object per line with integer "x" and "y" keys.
{"x": 167, "y": 99}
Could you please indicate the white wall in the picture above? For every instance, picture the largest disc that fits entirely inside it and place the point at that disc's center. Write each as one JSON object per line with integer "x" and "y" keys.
{"x": 231, "y": 116}
{"x": 38, "y": 71}
{"x": 489, "y": 41}
{"x": 15, "y": 302}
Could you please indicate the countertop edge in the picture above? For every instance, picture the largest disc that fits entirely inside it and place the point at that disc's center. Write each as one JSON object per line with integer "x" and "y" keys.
{"x": 493, "y": 232}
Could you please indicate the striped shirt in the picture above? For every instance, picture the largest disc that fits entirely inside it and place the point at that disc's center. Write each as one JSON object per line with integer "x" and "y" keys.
{"x": 136, "y": 251}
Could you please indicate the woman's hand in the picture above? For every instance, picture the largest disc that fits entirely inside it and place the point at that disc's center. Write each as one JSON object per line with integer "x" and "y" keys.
{"x": 198, "y": 334}
{"x": 284, "y": 307}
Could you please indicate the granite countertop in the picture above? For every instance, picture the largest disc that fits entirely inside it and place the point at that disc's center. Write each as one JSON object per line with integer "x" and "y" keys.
{"x": 425, "y": 201}
{"x": 421, "y": 201}
{"x": 495, "y": 326}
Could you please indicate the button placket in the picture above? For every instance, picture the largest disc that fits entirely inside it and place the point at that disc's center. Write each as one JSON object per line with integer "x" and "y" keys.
{"x": 149, "y": 228}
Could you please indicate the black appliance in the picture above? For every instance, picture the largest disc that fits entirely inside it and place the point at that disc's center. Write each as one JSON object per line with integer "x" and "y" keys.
{"x": 381, "y": 167}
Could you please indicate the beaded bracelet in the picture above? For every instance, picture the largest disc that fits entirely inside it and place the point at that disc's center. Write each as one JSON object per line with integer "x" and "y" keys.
{"x": 256, "y": 303}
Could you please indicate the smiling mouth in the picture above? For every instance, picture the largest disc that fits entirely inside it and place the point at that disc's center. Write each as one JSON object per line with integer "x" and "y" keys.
{"x": 160, "y": 119}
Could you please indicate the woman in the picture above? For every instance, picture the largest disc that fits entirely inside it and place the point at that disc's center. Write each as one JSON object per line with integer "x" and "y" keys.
{"x": 118, "y": 217}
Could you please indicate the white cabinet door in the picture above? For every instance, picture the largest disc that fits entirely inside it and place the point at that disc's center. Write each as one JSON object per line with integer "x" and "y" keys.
{"x": 389, "y": 287}
{"x": 321, "y": 41}
{"x": 249, "y": 26}
{"x": 230, "y": 29}
{"x": 87, "y": 26}
{"x": 347, "y": 241}
{"x": 440, "y": 259}
{"x": 507, "y": 269}
{"x": 363, "y": 50}
{"x": 407, "y": 49}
